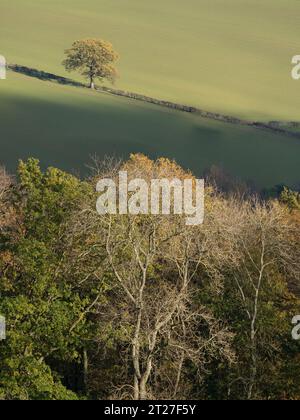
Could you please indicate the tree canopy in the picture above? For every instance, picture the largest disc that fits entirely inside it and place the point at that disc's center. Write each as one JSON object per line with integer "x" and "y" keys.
{"x": 140, "y": 306}
{"x": 93, "y": 58}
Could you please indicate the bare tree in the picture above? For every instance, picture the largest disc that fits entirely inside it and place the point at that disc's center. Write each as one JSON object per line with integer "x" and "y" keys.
{"x": 5, "y": 182}
{"x": 7, "y": 215}
{"x": 155, "y": 264}
{"x": 263, "y": 243}
{"x": 163, "y": 309}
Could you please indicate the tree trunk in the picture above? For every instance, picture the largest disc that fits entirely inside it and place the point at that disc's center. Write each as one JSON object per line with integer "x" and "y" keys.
{"x": 92, "y": 83}
{"x": 85, "y": 369}
{"x": 136, "y": 389}
{"x": 253, "y": 371}
{"x": 143, "y": 392}
{"x": 140, "y": 388}
{"x": 253, "y": 327}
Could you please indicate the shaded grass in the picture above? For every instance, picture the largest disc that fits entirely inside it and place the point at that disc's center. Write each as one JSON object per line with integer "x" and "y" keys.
{"x": 63, "y": 126}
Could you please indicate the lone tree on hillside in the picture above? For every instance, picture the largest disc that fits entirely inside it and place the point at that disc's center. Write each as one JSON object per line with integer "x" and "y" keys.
{"x": 94, "y": 58}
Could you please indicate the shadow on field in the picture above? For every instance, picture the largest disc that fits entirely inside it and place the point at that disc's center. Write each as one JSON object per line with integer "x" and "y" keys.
{"x": 65, "y": 128}
{"x": 289, "y": 129}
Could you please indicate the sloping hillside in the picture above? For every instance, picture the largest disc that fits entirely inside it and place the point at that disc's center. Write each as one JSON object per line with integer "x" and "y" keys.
{"x": 232, "y": 57}
{"x": 64, "y": 125}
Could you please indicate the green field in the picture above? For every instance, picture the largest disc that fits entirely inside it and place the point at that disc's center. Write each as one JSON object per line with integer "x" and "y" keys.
{"x": 228, "y": 56}
{"x": 64, "y": 126}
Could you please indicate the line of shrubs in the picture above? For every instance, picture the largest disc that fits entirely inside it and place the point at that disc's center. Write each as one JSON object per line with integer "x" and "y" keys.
{"x": 274, "y": 126}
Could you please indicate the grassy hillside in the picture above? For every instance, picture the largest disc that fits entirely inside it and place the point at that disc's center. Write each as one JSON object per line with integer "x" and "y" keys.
{"x": 64, "y": 125}
{"x": 228, "y": 56}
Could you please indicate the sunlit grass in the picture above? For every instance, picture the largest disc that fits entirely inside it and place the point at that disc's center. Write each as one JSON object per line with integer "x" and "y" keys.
{"x": 229, "y": 56}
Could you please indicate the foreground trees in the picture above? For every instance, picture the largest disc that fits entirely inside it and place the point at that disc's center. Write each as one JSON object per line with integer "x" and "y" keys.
{"x": 94, "y": 58}
{"x": 154, "y": 264}
{"x": 40, "y": 307}
{"x": 265, "y": 251}
{"x": 144, "y": 306}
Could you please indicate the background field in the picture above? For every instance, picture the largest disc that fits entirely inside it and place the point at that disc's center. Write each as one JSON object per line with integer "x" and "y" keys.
{"x": 229, "y": 56}
{"x": 64, "y": 126}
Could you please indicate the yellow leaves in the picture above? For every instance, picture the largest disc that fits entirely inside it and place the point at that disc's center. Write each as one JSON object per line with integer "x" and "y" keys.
{"x": 6, "y": 257}
{"x": 139, "y": 164}
{"x": 94, "y": 58}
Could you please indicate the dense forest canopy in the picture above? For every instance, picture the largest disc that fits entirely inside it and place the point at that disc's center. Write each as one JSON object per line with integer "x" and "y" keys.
{"x": 143, "y": 306}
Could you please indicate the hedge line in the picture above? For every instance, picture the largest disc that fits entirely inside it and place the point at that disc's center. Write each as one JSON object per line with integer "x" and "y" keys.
{"x": 274, "y": 126}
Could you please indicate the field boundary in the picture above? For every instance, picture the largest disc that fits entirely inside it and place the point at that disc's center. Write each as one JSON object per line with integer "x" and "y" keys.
{"x": 273, "y": 126}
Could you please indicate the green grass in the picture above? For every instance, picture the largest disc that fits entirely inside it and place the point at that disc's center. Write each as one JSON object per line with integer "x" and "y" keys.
{"x": 63, "y": 126}
{"x": 228, "y": 56}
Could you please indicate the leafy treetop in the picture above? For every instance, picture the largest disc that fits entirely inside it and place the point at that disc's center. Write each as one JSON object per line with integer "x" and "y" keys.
{"x": 94, "y": 58}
